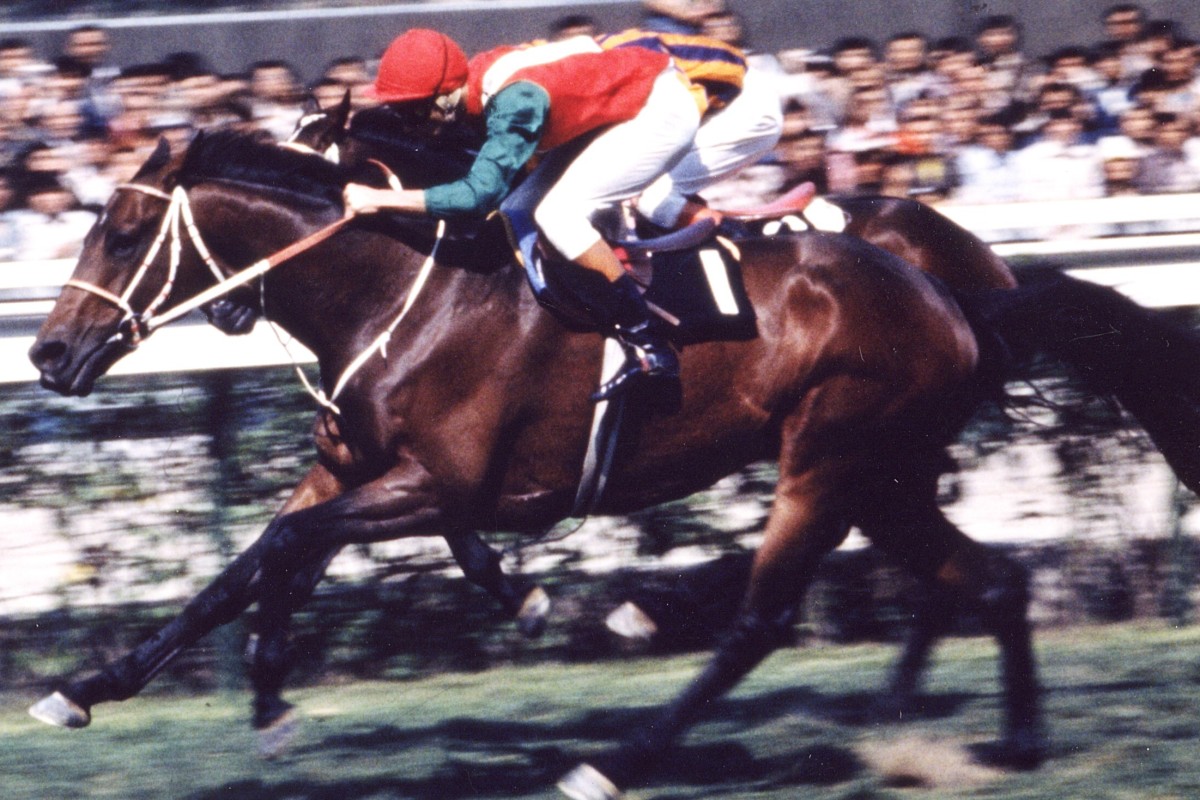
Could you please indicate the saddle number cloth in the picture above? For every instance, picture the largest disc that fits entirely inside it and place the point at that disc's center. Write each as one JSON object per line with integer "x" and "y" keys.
{"x": 703, "y": 289}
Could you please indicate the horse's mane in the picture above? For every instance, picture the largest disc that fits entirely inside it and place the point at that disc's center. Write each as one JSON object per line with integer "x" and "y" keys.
{"x": 410, "y": 144}
{"x": 256, "y": 160}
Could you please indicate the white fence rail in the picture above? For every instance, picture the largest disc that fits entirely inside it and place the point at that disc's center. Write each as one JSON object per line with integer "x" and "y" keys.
{"x": 1158, "y": 267}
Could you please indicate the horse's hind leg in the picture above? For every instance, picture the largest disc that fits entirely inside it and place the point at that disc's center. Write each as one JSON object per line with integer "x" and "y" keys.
{"x": 801, "y": 530}
{"x": 929, "y": 622}
{"x": 903, "y": 519}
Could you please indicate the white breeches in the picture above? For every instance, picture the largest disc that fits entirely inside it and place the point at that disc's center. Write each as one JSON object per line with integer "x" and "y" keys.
{"x": 618, "y": 165}
{"x": 734, "y": 137}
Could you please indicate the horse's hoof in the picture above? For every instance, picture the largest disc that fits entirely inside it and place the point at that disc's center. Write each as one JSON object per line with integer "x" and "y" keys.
{"x": 58, "y": 709}
{"x": 531, "y": 617}
{"x": 585, "y": 782}
{"x": 631, "y": 622}
{"x": 275, "y": 739}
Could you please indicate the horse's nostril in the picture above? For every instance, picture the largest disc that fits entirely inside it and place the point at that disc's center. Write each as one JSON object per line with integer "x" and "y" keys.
{"x": 47, "y": 355}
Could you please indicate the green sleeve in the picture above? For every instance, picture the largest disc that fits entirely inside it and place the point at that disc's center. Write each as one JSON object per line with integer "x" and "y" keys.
{"x": 516, "y": 119}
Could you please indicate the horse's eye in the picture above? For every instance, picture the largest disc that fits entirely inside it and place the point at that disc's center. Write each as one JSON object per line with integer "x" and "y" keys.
{"x": 120, "y": 244}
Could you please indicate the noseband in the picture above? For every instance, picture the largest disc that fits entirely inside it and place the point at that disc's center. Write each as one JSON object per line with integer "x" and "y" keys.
{"x": 135, "y": 326}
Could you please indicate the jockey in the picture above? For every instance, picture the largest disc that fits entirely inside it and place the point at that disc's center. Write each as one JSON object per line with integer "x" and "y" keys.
{"x": 632, "y": 102}
{"x": 741, "y": 120}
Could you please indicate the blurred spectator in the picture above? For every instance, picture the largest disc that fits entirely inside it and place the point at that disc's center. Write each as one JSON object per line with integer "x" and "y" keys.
{"x": 869, "y": 123}
{"x": 987, "y": 168}
{"x": 1061, "y": 164}
{"x": 86, "y": 175}
{"x": 140, "y": 91}
{"x": 276, "y": 98}
{"x": 328, "y": 92}
{"x": 898, "y": 178}
{"x": 1167, "y": 168}
{"x": 998, "y": 47}
{"x": 678, "y": 16}
{"x": 1137, "y": 125}
{"x": 801, "y": 157}
{"x": 906, "y": 66}
{"x": 1149, "y": 90}
{"x": 89, "y": 45}
{"x": 19, "y": 71}
{"x": 1124, "y": 25}
{"x": 1054, "y": 99}
{"x": 948, "y": 57}
{"x": 1071, "y": 65}
{"x": 572, "y": 25}
{"x": 1177, "y": 64}
{"x": 806, "y": 81}
{"x": 352, "y": 73}
{"x": 67, "y": 86}
{"x": 1112, "y": 95}
{"x": 9, "y": 224}
{"x": 926, "y": 163}
{"x": 1121, "y": 160}
{"x": 850, "y": 55}
{"x": 52, "y": 225}
{"x": 1158, "y": 36}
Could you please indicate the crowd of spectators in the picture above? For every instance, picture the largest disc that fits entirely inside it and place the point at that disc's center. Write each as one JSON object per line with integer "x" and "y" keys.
{"x": 948, "y": 120}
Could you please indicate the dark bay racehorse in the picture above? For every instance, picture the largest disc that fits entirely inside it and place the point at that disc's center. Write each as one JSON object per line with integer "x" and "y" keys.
{"x": 477, "y": 416}
{"x": 421, "y": 154}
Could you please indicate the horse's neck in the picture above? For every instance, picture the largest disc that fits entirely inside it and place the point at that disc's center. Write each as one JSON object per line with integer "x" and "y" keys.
{"x": 383, "y": 287}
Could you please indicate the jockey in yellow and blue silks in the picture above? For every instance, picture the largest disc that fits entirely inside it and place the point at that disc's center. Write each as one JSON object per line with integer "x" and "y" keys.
{"x": 742, "y": 119}
{"x": 632, "y": 103}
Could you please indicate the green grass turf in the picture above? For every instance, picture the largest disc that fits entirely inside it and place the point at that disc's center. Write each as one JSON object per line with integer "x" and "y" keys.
{"x": 1122, "y": 705}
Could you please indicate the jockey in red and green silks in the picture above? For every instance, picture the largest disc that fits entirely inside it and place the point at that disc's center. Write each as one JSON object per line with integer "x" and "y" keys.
{"x": 634, "y": 105}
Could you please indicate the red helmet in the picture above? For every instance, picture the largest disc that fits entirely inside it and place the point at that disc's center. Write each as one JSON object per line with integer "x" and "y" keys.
{"x": 420, "y": 63}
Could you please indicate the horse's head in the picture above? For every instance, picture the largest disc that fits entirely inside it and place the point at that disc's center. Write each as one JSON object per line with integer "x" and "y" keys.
{"x": 98, "y": 316}
{"x": 184, "y": 223}
{"x": 322, "y": 130}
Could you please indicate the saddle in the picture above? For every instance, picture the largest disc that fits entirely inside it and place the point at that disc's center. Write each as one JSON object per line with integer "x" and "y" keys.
{"x": 691, "y": 278}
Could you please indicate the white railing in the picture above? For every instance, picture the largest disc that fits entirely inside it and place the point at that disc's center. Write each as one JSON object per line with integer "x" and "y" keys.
{"x": 27, "y": 292}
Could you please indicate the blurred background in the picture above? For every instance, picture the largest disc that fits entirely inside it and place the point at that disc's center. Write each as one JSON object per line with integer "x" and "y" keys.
{"x": 1064, "y": 131}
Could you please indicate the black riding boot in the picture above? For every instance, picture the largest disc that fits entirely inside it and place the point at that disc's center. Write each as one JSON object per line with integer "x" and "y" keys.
{"x": 648, "y": 354}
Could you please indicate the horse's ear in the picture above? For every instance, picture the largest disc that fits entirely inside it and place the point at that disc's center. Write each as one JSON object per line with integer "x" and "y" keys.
{"x": 311, "y": 105}
{"x": 161, "y": 155}
{"x": 343, "y": 110}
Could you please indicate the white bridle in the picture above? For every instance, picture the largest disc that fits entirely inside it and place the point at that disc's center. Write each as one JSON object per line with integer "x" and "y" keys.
{"x": 179, "y": 217}
{"x": 179, "y": 211}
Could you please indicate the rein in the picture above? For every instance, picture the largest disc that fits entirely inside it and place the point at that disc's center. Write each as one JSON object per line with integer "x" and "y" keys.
{"x": 135, "y": 326}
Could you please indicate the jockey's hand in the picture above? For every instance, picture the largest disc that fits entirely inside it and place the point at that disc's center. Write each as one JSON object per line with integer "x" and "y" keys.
{"x": 694, "y": 212}
{"x": 359, "y": 199}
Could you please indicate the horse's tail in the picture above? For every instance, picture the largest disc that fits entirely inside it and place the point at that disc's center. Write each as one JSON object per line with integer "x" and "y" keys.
{"x": 1143, "y": 358}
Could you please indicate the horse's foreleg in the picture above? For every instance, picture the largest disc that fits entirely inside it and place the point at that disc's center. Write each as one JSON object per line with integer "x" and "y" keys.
{"x": 799, "y": 534}
{"x": 521, "y": 598}
{"x": 229, "y": 594}
{"x": 299, "y": 547}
